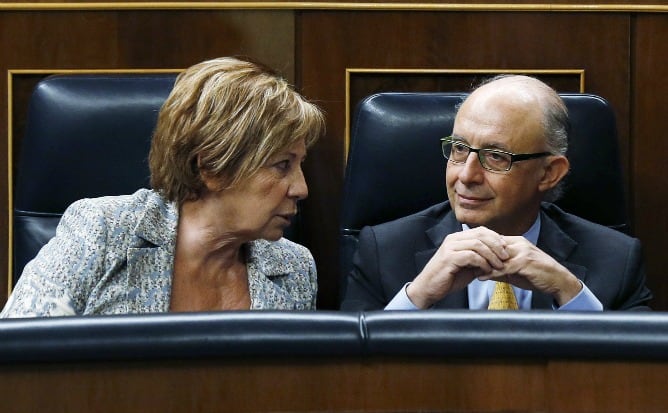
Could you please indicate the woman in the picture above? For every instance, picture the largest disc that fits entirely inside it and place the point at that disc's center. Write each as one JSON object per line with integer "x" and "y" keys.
{"x": 226, "y": 177}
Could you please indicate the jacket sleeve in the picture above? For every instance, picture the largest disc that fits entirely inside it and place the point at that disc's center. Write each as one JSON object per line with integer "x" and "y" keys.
{"x": 363, "y": 287}
{"x": 634, "y": 294}
{"x": 58, "y": 281}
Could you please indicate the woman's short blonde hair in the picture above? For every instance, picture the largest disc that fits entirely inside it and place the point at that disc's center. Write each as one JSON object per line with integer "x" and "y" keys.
{"x": 225, "y": 118}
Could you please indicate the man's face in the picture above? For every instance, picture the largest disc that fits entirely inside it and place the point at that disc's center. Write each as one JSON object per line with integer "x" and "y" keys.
{"x": 506, "y": 202}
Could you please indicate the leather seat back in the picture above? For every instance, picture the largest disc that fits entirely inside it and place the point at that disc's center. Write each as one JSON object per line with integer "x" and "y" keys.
{"x": 85, "y": 136}
{"x": 395, "y": 166}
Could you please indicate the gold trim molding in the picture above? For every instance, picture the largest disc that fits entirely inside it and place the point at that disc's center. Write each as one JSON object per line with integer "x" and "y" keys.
{"x": 328, "y": 5}
{"x": 11, "y": 73}
{"x": 352, "y": 71}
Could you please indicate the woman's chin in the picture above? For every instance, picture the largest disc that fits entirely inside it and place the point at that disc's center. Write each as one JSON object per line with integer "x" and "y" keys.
{"x": 273, "y": 235}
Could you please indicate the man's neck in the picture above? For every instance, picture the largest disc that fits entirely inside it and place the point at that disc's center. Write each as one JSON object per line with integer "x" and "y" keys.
{"x": 530, "y": 234}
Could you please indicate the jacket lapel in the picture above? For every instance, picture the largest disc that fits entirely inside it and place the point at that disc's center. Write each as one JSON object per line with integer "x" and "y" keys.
{"x": 273, "y": 279}
{"x": 151, "y": 261}
{"x": 551, "y": 239}
{"x": 436, "y": 235}
{"x": 557, "y": 244}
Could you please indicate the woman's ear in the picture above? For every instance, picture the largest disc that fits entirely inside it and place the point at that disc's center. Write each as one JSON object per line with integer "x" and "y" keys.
{"x": 554, "y": 171}
{"x": 210, "y": 181}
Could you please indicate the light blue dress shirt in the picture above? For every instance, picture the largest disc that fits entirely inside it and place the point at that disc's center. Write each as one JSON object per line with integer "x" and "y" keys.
{"x": 479, "y": 292}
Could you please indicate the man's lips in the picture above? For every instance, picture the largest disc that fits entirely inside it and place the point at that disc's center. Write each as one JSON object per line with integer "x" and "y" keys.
{"x": 471, "y": 198}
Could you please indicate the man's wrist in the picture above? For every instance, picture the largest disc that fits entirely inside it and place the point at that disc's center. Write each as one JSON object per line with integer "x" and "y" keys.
{"x": 418, "y": 299}
{"x": 571, "y": 288}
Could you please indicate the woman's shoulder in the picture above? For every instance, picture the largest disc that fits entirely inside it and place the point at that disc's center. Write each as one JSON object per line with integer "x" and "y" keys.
{"x": 143, "y": 212}
{"x": 139, "y": 199}
{"x": 119, "y": 207}
{"x": 279, "y": 256}
{"x": 281, "y": 248}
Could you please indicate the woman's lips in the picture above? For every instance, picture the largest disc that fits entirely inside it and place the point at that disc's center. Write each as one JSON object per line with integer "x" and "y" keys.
{"x": 288, "y": 217}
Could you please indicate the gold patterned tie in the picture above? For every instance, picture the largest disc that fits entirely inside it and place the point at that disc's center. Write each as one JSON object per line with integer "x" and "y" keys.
{"x": 503, "y": 297}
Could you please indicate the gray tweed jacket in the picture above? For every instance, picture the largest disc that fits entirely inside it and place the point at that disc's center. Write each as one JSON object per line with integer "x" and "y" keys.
{"x": 114, "y": 255}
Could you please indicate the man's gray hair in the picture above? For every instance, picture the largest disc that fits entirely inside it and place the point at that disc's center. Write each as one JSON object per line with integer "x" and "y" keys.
{"x": 556, "y": 124}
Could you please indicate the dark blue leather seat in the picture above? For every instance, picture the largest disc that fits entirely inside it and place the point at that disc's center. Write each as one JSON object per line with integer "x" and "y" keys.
{"x": 85, "y": 136}
{"x": 395, "y": 166}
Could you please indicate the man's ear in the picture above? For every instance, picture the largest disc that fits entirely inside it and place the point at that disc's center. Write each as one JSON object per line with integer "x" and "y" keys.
{"x": 555, "y": 169}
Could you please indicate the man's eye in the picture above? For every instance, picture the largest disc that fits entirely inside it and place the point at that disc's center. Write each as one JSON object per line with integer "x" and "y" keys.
{"x": 459, "y": 148}
{"x": 496, "y": 157}
{"x": 500, "y": 160}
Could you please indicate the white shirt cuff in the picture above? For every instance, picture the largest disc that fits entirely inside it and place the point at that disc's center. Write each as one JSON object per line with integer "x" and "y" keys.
{"x": 584, "y": 301}
{"x": 401, "y": 301}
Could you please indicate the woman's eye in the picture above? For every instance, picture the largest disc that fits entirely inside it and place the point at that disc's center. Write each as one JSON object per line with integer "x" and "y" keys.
{"x": 283, "y": 165}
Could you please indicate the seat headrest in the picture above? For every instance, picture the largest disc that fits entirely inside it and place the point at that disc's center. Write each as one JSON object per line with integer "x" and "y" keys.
{"x": 87, "y": 136}
{"x": 395, "y": 166}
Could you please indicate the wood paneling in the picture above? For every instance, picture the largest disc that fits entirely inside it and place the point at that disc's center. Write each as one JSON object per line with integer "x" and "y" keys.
{"x": 621, "y": 51}
{"x": 597, "y": 43}
{"x": 574, "y": 387}
{"x": 649, "y": 146}
{"x": 336, "y": 385}
{"x": 61, "y": 40}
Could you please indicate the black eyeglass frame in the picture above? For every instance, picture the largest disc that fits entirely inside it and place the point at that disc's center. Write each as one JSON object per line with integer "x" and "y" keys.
{"x": 514, "y": 157}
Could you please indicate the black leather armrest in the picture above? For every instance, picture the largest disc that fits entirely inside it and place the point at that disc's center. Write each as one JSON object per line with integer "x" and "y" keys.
{"x": 460, "y": 334}
{"x": 549, "y": 334}
{"x": 180, "y": 336}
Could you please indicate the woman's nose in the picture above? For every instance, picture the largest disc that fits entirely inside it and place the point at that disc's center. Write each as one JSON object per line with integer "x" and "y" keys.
{"x": 298, "y": 187}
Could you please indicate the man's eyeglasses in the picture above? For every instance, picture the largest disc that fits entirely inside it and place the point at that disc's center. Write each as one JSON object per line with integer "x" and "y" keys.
{"x": 494, "y": 160}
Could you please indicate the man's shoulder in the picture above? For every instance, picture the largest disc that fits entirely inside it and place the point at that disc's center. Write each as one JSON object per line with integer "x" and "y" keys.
{"x": 409, "y": 227}
{"x": 428, "y": 216}
{"x": 580, "y": 228}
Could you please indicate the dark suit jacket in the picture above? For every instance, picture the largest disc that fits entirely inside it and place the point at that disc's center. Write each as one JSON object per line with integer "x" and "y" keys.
{"x": 391, "y": 254}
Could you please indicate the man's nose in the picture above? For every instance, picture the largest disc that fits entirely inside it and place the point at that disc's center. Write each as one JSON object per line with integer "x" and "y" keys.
{"x": 472, "y": 170}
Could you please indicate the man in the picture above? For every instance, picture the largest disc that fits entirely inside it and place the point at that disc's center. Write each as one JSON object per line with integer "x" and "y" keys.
{"x": 506, "y": 157}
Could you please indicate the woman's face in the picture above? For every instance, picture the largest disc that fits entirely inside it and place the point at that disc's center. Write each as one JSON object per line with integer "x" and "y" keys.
{"x": 263, "y": 205}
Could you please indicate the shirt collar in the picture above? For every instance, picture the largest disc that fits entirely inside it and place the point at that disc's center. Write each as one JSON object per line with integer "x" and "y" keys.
{"x": 531, "y": 234}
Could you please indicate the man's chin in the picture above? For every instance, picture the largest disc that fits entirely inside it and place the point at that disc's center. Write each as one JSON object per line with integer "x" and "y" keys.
{"x": 471, "y": 218}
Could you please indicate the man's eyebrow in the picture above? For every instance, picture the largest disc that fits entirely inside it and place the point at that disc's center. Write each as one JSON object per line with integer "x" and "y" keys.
{"x": 493, "y": 145}
{"x": 499, "y": 146}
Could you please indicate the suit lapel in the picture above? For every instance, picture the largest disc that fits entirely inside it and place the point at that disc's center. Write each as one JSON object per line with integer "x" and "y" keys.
{"x": 551, "y": 239}
{"x": 436, "y": 235}
{"x": 557, "y": 244}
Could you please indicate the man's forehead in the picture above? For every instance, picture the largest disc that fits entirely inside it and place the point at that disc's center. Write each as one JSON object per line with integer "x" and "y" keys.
{"x": 499, "y": 143}
{"x": 498, "y": 123}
